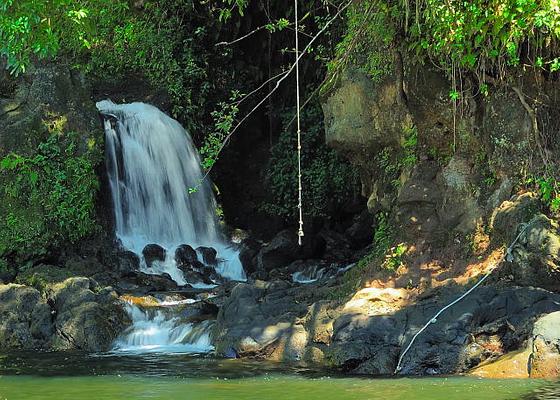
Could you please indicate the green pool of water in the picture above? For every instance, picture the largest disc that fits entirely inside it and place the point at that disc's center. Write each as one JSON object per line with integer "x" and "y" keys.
{"x": 60, "y": 376}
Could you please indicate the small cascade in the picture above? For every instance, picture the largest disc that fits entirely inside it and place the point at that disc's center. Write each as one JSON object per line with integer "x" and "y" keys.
{"x": 152, "y": 167}
{"x": 316, "y": 273}
{"x": 309, "y": 276}
{"x": 154, "y": 331}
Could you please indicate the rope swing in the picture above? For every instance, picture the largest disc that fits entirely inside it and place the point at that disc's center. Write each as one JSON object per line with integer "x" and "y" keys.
{"x": 300, "y": 188}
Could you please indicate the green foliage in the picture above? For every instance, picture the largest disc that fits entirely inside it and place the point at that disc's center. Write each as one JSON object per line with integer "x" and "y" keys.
{"x": 35, "y": 280}
{"x": 48, "y": 198}
{"x": 480, "y": 36}
{"x": 482, "y": 165}
{"x": 226, "y": 8}
{"x": 328, "y": 180}
{"x": 224, "y": 119}
{"x": 549, "y": 191}
{"x": 484, "y": 33}
{"x": 383, "y": 235}
{"x": 391, "y": 161}
{"x": 30, "y": 28}
{"x": 279, "y": 25}
{"x": 169, "y": 42}
{"x": 555, "y": 204}
{"x": 371, "y": 55}
{"x": 409, "y": 146}
{"x": 394, "y": 257}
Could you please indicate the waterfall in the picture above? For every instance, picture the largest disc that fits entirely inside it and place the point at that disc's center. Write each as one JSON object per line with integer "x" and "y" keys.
{"x": 151, "y": 164}
{"x": 153, "y": 331}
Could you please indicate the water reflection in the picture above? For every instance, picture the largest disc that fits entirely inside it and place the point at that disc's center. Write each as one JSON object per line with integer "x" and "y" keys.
{"x": 77, "y": 376}
{"x": 148, "y": 364}
{"x": 549, "y": 391}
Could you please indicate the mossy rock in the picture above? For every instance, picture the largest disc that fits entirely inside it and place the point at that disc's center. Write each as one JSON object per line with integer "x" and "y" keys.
{"x": 42, "y": 276}
{"x": 25, "y": 318}
{"x": 88, "y": 317}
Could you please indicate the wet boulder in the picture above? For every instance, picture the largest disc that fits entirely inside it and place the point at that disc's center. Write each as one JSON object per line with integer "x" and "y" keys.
{"x": 336, "y": 246}
{"x": 199, "y": 311}
{"x": 196, "y": 272}
{"x": 248, "y": 251}
{"x": 153, "y": 252}
{"x": 191, "y": 266}
{"x": 312, "y": 246}
{"x": 258, "y": 321}
{"x": 208, "y": 255}
{"x": 281, "y": 251}
{"x": 127, "y": 262}
{"x": 140, "y": 282}
{"x": 25, "y": 318}
{"x": 308, "y": 271}
{"x": 193, "y": 277}
{"x": 211, "y": 274}
{"x": 185, "y": 255}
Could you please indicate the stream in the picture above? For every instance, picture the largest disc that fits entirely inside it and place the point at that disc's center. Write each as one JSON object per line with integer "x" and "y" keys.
{"x": 62, "y": 376}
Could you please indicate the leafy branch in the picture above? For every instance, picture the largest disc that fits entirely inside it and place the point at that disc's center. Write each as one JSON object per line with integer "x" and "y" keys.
{"x": 226, "y": 137}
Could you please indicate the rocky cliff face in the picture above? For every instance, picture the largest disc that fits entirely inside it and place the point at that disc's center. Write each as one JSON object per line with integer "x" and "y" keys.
{"x": 440, "y": 170}
{"x": 450, "y": 181}
{"x": 439, "y": 166}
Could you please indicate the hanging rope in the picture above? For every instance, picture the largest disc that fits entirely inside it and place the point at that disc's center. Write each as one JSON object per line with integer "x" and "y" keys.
{"x": 300, "y": 188}
{"x": 507, "y": 256}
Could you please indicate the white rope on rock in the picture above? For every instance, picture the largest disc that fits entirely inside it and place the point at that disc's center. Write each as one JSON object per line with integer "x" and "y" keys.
{"x": 507, "y": 255}
{"x": 300, "y": 187}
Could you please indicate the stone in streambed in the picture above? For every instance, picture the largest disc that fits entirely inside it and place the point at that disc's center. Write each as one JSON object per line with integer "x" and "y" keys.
{"x": 208, "y": 255}
{"x": 140, "y": 282}
{"x": 185, "y": 255}
{"x": 199, "y": 311}
{"x": 153, "y": 252}
{"x": 484, "y": 327}
{"x": 248, "y": 254}
{"x": 194, "y": 277}
{"x": 127, "y": 262}
{"x": 284, "y": 249}
{"x": 141, "y": 301}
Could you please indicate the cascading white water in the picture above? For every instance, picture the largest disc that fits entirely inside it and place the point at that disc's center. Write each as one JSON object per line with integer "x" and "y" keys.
{"x": 152, "y": 163}
{"x": 153, "y": 331}
{"x": 316, "y": 273}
